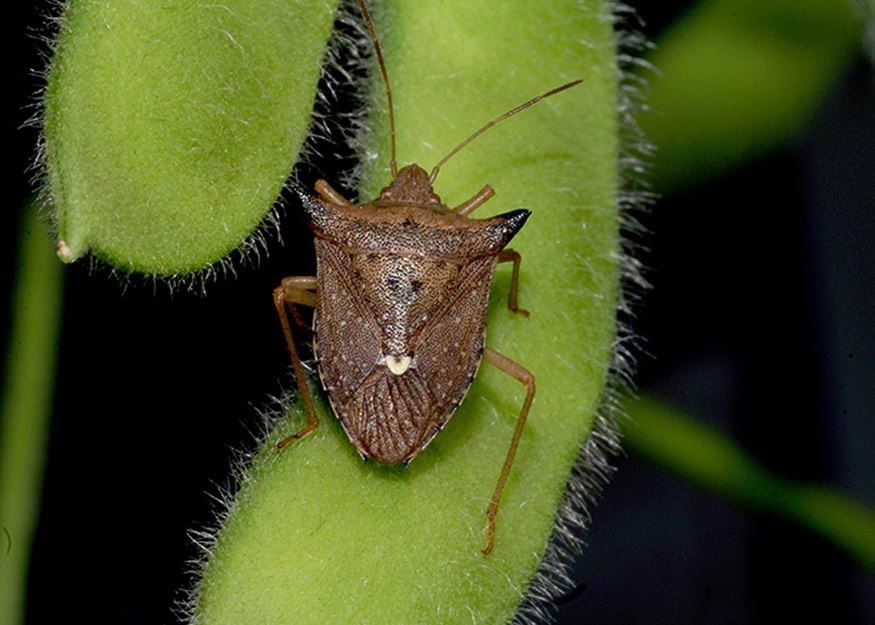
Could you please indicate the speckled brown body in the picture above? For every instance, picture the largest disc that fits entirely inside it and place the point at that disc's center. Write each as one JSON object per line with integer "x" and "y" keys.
{"x": 400, "y": 299}
{"x": 403, "y": 286}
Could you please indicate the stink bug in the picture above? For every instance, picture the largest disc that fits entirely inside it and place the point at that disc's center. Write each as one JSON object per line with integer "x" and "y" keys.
{"x": 400, "y": 295}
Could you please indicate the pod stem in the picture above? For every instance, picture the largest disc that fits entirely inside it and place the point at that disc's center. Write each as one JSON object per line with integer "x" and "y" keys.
{"x": 26, "y": 407}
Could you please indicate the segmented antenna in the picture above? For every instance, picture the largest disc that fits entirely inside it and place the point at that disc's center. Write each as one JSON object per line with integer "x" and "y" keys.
{"x": 500, "y": 118}
{"x": 370, "y": 24}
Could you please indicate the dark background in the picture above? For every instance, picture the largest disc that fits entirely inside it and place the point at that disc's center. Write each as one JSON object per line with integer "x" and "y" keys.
{"x": 764, "y": 332}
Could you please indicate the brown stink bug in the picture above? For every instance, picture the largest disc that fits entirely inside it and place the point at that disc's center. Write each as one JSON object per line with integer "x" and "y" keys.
{"x": 400, "y": 296}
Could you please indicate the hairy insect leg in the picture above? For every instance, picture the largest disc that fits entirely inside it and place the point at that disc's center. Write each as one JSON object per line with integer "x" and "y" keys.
{"x": 469, "y": 206}
{"x": 523, "y": 376}
{"x": 329, "y": 194}
{"x": 296, "y": 290}
{"x": 505, "y": 256}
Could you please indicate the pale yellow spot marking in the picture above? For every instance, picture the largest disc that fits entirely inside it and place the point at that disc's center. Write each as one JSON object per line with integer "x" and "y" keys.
{"x": 398, "y": 364}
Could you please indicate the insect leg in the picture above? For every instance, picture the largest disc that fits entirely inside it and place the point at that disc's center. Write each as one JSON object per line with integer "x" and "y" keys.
{"x": 296, "y": 290}
{"x": 469, "y": 206}
{"x": 514, "y": 256}
{"x": 300, "y": 290}
{"x": 328, "y": 193}
{"x": 523, "y": 376}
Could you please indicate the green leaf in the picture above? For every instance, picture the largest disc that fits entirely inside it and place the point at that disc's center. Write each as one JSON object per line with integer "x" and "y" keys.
{"x": 705, "y": 457}
{"x": 171, "y": 126}
{"x": 740, "y": 78}
{"x": 316, "y": 535}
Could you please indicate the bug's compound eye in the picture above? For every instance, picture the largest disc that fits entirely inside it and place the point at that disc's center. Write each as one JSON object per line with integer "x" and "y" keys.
{"x": 398, "y": 364}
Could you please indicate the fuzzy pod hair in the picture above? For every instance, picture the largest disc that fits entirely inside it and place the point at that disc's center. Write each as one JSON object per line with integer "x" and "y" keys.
{"x": 593, "y": 469}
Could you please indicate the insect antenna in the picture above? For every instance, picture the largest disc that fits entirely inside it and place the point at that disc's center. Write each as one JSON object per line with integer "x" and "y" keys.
{"x": 370, "y": 24}
{"x": 500, "y": 118}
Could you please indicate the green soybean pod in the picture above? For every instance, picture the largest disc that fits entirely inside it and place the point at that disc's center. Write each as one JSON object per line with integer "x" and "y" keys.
{"x": 170, "y": 127}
